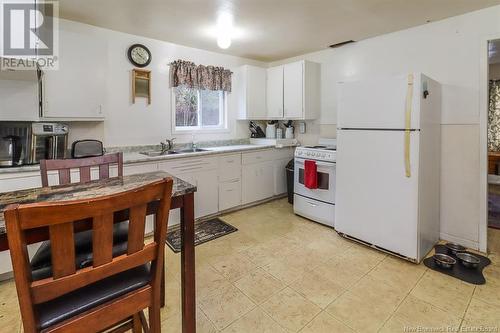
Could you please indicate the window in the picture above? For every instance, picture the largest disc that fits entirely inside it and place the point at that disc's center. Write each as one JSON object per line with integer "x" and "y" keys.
{"x": 199, "y": 109}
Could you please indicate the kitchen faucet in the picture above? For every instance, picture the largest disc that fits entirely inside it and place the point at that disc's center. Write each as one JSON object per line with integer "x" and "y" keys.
{"x": 193, "y": 142}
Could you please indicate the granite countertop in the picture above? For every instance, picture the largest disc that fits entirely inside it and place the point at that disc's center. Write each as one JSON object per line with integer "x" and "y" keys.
{"x": 134, "y": 155}
{"x": 89, "y": 190}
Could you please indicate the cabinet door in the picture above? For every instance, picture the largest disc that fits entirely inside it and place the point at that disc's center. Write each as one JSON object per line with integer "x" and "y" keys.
{"x": 206, "y": 198}
{"x": 229, "y": 194}
{"x": 19, "y": 100}
{"x": 280, "y": 176}
{"x": 78, "y": 88}
{"x": 256, "y": 92}
{"x": 266, "y": 178}
{"x": 293, "y": 95}
{"x": 249, "y": 184}
{"x": 275, "y": 92}
{"x": 257, "y": 182}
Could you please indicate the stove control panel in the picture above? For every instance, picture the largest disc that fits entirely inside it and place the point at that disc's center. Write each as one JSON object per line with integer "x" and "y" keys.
{"x": 316, "y": 154}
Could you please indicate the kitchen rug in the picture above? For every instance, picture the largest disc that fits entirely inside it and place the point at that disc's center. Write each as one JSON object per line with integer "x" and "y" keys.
{"x": 470, "y": 275}
{"x": 204, "y": 231}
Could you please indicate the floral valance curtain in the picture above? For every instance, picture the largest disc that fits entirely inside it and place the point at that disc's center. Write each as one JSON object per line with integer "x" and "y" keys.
{"x": 494, "y": 117}
{"x": 200, "y": 77}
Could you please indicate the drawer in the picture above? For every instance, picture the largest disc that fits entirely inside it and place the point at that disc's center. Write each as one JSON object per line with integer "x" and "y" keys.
{"x": 189, "y": 164}
{"x": 257, "y": 157}
{"x": 136, "y": 168}
{"x": 229, "y": 195}
{"x": 229, "y": 167}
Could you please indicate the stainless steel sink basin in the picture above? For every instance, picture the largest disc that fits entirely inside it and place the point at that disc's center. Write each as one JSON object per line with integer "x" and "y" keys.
{"x": 170, "y": 152}
{"x": 189, "y": 150}
{"x": 157, "y": 153}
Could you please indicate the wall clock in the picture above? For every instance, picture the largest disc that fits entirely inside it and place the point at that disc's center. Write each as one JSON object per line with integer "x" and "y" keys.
{"x": 139, "y": 55}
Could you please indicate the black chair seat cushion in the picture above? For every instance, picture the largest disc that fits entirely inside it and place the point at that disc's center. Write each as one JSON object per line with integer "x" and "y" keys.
{"x": 41, "y": 263}
{"x": 86, "y": 298}
{"x": 82, "y": 260}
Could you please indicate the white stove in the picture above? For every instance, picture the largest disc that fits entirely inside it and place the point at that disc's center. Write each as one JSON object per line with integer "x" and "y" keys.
{"x": 316, "y": 204}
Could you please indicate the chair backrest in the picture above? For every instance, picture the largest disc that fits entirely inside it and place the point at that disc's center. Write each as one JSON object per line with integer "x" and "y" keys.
{"x": 83, "y": 164}
{"x": 60, "y": 217}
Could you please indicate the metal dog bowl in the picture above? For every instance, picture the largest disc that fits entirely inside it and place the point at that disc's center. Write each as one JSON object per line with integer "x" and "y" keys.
{"x": 468, "y": 260}
{"x": 454, "y": 248}
{"x": 444, "y": 260}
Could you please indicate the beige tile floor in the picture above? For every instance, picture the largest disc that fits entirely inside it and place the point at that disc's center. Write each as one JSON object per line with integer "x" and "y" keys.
{"x": 283, "y": 273}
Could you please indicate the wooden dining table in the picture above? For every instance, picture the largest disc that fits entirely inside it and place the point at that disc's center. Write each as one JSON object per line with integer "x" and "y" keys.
{"x": 182, "y": 198}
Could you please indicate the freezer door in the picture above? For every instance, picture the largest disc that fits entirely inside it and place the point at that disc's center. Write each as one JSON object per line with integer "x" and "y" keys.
{"x": 375, "y": 201}
{"x": 378, "y": 103}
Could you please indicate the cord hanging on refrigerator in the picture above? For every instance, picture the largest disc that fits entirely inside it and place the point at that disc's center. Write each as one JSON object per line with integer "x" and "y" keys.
{"x": 409, "y": 102}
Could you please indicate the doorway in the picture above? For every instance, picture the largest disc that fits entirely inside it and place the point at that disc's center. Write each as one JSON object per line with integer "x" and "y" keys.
{"x": 493, "y": 144}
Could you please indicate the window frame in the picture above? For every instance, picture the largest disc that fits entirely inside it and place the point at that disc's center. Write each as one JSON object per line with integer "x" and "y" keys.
{"x": 222, "y": 128}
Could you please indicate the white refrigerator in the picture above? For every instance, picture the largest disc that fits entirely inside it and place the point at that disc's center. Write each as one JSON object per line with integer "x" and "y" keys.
{"x": 388, "y": 163}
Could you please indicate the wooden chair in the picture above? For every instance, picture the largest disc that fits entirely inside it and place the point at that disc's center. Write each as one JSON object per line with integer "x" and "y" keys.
{"x": 110, "y": 291}
{"x": 83, "y": 164}
{"x": 41, "y": 261}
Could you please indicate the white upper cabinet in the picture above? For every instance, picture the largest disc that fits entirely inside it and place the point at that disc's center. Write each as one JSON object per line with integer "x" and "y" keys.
{"x": 77, "y": 90}
{"x": 275, "y": 92}
{"x": 252, "y": 92}
{"x": 19, "y": 100}
{"x": 301, "y": 90}
{"x": 293, "y": 90}
{"x": 290, "y": 91}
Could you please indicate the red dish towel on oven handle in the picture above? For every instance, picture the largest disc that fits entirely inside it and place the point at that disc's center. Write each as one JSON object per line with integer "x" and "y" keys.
{"x": 310, "y": 174}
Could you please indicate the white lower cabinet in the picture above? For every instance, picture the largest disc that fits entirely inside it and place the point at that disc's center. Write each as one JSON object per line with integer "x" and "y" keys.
{"x": 257, "y": 181}
{"x": 201, "y": 172}
{"x": 229, "y": 194}
{"x": 206, "y": 197}
{"x": 280, "y": 176}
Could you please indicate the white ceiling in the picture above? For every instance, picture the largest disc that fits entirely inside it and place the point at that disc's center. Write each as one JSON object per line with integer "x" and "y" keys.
{"x": 494, "y": 52}
{"x": 267, "y": 30}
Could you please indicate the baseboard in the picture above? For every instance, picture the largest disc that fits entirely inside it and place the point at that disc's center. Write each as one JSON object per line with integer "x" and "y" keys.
{"x": 465, "y": 242}
{"x": 6, "y": 276}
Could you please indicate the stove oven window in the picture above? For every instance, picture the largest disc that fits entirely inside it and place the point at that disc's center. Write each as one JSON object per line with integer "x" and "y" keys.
{"x": 323, "y": 179}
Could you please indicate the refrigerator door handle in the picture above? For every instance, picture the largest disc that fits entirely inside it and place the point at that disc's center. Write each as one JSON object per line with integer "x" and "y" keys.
{"x": 409, "y": 102}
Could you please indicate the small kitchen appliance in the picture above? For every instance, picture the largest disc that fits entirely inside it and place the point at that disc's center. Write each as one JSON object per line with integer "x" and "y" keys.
{"x": 15, "y": 142}
{"x": 87, "y": 148}
{"x": 10, "y": 151}
{"x": 314, "y": 181}
{"x": 49, "y": 141}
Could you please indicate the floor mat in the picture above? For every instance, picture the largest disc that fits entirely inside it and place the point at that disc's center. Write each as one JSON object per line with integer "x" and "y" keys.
{"x": 471, "y": 275}
{"x": 204, "y": 231}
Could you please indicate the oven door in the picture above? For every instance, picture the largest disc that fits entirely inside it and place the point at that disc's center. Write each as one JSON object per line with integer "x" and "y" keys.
{"x": 326, "y": 181}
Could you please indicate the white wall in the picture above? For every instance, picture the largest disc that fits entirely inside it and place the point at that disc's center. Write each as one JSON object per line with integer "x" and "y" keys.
{"x": 448, "y": 51}
{"x": 139, "y": 123}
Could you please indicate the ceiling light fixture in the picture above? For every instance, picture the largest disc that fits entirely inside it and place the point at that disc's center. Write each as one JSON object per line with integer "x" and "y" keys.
{"x": 224, "y": 30}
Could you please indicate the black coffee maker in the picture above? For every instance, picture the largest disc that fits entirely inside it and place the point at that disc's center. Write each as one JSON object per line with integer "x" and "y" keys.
{"x": 11, "y": 149}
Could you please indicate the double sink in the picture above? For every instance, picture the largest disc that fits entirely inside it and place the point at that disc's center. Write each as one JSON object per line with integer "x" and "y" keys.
{"x": 155, "y": 153}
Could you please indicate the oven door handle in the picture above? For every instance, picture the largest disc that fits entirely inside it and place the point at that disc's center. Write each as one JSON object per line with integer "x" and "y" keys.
{"x": 330, "y": 165}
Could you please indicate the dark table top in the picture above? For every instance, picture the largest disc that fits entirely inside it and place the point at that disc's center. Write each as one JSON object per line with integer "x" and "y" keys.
{"x": 89, "y": 190}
